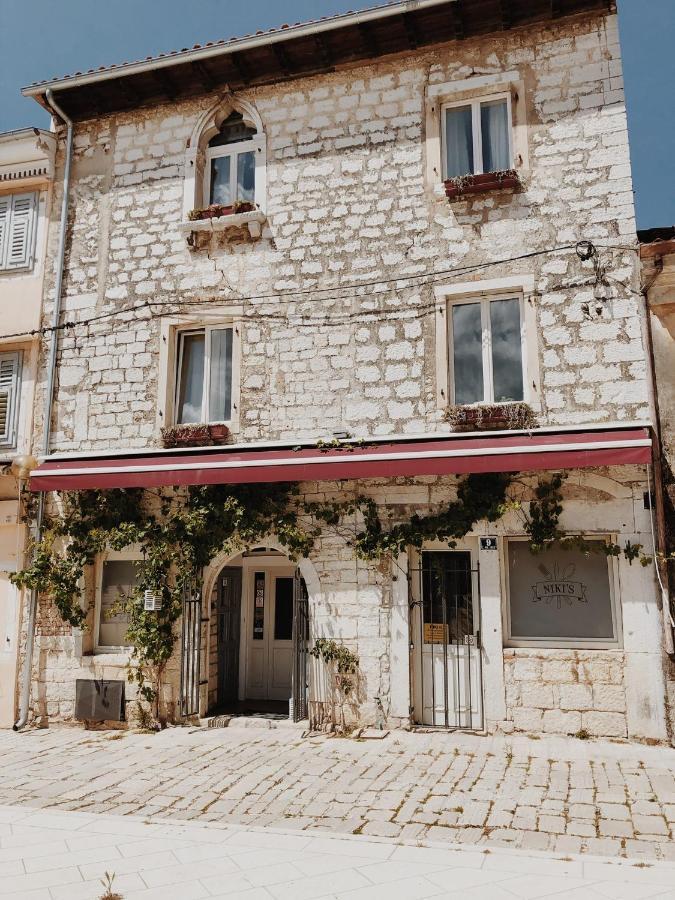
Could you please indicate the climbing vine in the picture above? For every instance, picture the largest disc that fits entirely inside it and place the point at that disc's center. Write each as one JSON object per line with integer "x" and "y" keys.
{"x": 179, "y": 532}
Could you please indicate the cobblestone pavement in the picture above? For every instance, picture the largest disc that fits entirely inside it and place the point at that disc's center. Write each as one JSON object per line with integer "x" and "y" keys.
{"x": 554, "y": 794}
{"x": 64, "y": 855}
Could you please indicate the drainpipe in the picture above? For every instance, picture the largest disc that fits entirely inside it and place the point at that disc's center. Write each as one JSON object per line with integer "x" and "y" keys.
{"x": 659, "y": 498}
{"x": 26, "y": 678}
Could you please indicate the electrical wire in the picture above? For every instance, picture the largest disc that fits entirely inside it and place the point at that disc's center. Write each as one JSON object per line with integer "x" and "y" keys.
{"x": 312, "y": 294}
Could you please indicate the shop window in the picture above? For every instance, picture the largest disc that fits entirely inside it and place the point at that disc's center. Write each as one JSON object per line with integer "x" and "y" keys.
{"x": 487, "y": 357}
{"x": 560, "y": 598}
{"x": 204, "y": 375}
{"x": 118, "y": 581}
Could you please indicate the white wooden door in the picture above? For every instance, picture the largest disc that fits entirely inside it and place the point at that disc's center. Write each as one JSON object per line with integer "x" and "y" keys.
{"x": 445, "y": 629}
{"x": 269, "y": 652}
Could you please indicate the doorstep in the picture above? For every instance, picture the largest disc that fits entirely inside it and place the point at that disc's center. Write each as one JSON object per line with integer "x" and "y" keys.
{"x": 252, "y": 721}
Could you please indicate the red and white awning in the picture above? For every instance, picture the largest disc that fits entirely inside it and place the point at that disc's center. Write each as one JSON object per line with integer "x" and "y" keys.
{"x": 442, "y": 455}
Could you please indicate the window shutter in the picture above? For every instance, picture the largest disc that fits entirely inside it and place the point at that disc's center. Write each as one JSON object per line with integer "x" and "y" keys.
{"x": 19, "y": 239}
{"x": 5, "y": 204}
{"x": 10, "y": 364}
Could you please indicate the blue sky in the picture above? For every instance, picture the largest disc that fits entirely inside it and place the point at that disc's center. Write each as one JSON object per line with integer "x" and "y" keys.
{"x": 43, "y": 38}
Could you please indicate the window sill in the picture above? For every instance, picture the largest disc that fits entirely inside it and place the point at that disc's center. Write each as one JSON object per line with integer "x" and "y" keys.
{"x": 253, "y": 220}
{"x": 109, "y": 656}
{"x": 481, "y": 184}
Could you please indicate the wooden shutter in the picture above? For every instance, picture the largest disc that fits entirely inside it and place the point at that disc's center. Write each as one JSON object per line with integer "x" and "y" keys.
{"x": 5, "y": 207}
{"x": 20, "y": 234}
{"x": 10, "y": 367}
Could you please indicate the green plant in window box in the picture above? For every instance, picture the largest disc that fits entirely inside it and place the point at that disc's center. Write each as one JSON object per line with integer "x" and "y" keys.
{"x": 507, "y": 416}
{"x": 198, "y": 435}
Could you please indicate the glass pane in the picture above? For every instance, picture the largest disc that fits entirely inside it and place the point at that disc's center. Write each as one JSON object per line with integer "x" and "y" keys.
{"x": 221, "y": 191}
{"x": 507, "y": 351}
{"x": 458, "y": 142}
{"x": 220, "y": 391}
{"x": 232, "y": 131}
{"x": 118, "y": 581}
{"x": 283, "y": 610}
{"x": 191, "y": 389}
{"x": 494, "y": 120}
{"x": 259, "y": 606}
{"x": 246, "y": 176}
{"x": 559, "y": 594}
{"x": 467, "y": 353}
{"x": 447, "y": 602}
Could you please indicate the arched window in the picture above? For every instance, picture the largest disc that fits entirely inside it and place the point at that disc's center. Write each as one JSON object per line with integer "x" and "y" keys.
{"x": 231, "y": 163}
{"x": 226, "y": 165}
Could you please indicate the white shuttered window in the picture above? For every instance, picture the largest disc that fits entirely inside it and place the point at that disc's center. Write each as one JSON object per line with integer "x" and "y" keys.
{"x": 10, "y": 380}
{"x": 18, "y": 214}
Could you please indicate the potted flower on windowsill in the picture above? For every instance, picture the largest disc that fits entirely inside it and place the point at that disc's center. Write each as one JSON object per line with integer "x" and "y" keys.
{"x": 198, "y": 435}
{"x": 218, "y": 210}
{"x": 507, "y": 416}
{"x": 478, "y": 184}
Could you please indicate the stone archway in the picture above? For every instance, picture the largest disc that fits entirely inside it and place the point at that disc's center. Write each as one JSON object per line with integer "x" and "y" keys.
{"x": 249, "y": 646}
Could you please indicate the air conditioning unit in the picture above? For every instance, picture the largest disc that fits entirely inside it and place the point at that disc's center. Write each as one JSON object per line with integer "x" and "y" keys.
{"x": 152, "y": 601}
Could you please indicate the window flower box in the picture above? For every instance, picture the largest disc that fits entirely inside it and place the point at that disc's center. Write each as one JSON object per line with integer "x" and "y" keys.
{"x": 479, "y": 184}
{"x": 216, "y": 218}
{"x": 195, "y": 435}
{"x": 491, "y": 417}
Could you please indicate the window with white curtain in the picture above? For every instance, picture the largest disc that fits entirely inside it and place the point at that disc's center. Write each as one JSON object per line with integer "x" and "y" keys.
{"x": 231, "y": 160}
{"x": 487, "y": 357}
{"x": 477, "y": 137}
{"x": 204, "y": 375}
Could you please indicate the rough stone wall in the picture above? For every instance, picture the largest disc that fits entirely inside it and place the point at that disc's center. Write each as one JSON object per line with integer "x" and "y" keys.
{"x": 566, "y": 691}
{"x": 348, "y": 205}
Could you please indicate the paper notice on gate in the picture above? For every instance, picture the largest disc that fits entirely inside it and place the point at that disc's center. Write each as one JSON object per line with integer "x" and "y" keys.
{"x": 436, "y": 633}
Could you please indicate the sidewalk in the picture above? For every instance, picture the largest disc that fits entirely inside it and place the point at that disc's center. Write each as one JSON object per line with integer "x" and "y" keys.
{"x": 62, "y": 856}
{"x": 557, "y": 795}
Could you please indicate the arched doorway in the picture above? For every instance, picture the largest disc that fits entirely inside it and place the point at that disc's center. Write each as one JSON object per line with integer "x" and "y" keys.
{"x": 258, "y": 636}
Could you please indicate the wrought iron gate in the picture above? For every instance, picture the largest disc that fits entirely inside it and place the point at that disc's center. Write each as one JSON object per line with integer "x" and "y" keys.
{"x": 190, "y": 650}
{"x": 299, "y": 706}
{"x": 445, "y": 629}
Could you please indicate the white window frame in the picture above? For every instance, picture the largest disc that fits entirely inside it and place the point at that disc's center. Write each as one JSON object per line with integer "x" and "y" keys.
{"x": 568, "y": 643}
{"x": 8, "y": 227}
{"x": 10, "y": 439}
{"x": 234, "y": 150}
{"x": 130, "y": 554}
{"x": 486, "y": 330}
{"x": 477, "y": 132}
{"x": 207, "y": 330}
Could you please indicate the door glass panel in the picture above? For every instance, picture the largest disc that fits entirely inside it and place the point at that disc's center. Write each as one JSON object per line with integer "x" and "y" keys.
{"x": 507, "y": 353}
{"x": 220, "y": 392}
{"x": 283, "y": 609}
{"x": 246, "y": 176}
{"x": 447, "y": 604}
{"x": 494, "y": 120}
{"x": 221, "y": 189}
{"x": 458, "y": 142}
{"x": 467, "y": 352}
{"x": 191, "y": 380}
{"x": 118, "y": 582}
{"x": 259, "y": 606}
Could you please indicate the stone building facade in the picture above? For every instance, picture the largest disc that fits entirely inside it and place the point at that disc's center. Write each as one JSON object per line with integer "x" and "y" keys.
{"x": 334, "y": 285}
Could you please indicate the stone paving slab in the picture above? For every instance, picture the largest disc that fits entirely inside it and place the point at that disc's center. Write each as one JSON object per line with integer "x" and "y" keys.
{"x": 159, "y": 860}
{"x": 555, "y": 794}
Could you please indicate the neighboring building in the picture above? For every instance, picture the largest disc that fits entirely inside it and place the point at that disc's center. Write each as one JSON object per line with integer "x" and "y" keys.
{"x": 26, "y": 175}
{"x": 657, "y": 251}
{"x": 463, "y": 149}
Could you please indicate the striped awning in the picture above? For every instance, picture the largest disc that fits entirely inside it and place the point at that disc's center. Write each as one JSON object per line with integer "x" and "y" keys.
{"x": 438, "y": 455}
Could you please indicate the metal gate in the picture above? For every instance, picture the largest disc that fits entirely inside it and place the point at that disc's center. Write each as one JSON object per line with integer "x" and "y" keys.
{"x": 190, "y": 650}
{"x": 299, "y": 706}
{"x": 445, "y": 629}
